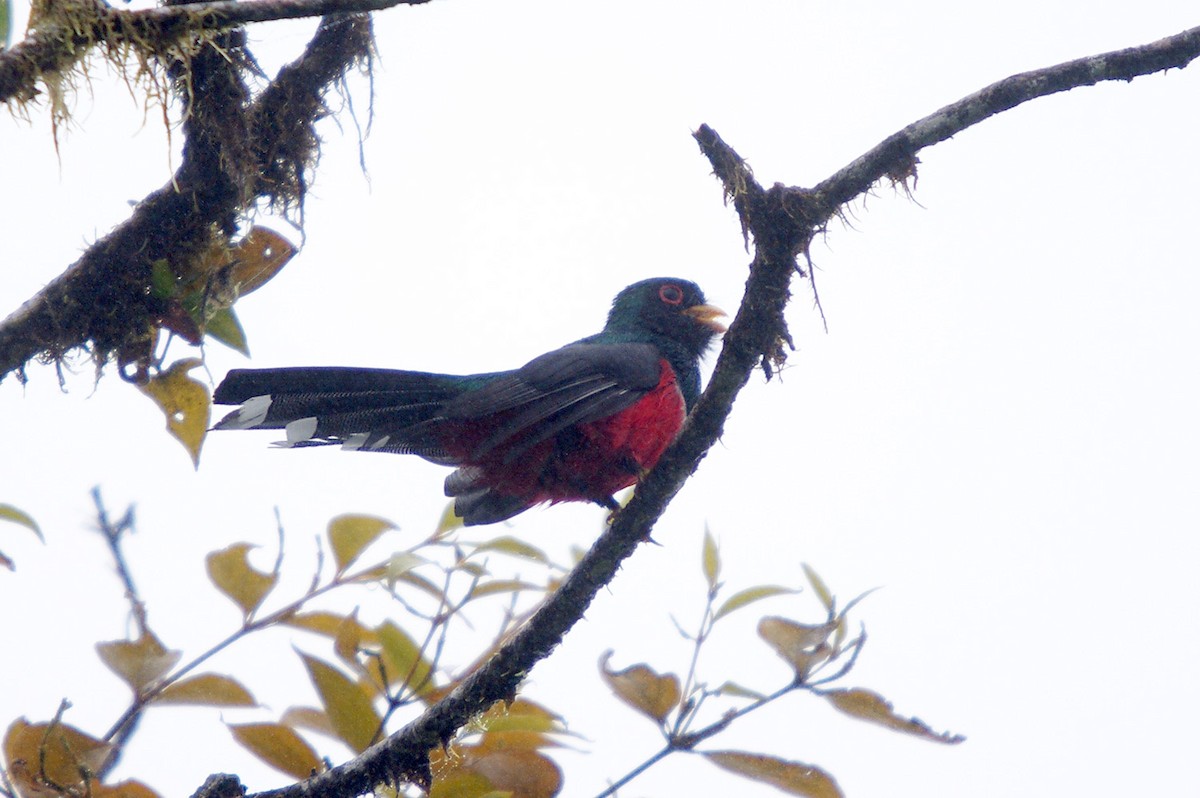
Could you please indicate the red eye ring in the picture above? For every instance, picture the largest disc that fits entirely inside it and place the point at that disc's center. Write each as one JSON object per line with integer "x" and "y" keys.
{"x": 671, "y": 294}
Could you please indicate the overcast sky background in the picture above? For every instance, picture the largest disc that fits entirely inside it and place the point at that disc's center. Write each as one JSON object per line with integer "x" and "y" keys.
{"x": 999, "y": 429}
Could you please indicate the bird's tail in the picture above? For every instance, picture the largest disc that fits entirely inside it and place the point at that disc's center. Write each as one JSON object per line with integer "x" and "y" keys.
{"x": 373, "y": 409}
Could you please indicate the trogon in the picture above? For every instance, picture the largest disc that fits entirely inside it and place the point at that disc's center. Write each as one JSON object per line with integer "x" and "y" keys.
{"x": 576, "y": 424}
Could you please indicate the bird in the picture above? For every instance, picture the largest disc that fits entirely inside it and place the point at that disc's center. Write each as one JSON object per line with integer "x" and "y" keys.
{"x": 579, "y": 423}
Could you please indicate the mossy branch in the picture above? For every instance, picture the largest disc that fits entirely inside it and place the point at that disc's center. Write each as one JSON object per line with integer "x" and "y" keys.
{"x": 236, "y": 151}
{"x": 57, "y": 45}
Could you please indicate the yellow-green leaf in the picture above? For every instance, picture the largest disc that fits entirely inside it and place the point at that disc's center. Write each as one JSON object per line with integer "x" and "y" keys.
{"x": 710, "y": 561}
{"x": 10, "y": 513}
{"x": 403, "y": 660}
{"x": 640, "y": 687}
{"x": 738, "y": 691}
{"x": 419, "y": 582}
{"x": 321, "y": 622}
{"x": 749, "y": 596}
{"x": 800, "y": 645}
{"x": 139, "y": 662}
{"x": 278, "y": 746}
{"x": 185, "y": 402}
{"x": 521, "y": 715}
{"x": 350, "y": 534}
{"x": 230, "y": 570}
{"x": 223, "y": 326}
{"x": 522, "y": 725}
{"x": 309, "y": 718}
{"x": 399, "y": 564}
{"x": 819, "y": 587}
{"x": 62, "y": 754}
{"x": 349, "y": 709}
{"x": 502, "y": 586}
{"x": 794, "y": 778}
{"x": 487, "y": 773}
{"x": 507, "y": 544}
{"x": 207, "y": 689}
{"x": 449, "y": 522}
{"x": 873, "y": 707}
{"x": 348, "y": 640}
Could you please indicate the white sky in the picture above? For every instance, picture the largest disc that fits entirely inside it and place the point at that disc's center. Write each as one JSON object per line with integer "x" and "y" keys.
{"x": 999, "y": 428}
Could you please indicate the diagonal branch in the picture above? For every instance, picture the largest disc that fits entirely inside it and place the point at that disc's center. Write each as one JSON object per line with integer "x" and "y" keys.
{"x": 782, "y": 222}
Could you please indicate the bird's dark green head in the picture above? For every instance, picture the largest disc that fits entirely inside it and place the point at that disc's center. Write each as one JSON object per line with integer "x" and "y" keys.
{"x": 665, "y": 310}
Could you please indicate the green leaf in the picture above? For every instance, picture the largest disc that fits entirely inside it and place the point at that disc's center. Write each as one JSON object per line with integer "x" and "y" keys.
{"x": 350, "y": 711}
{"x": 280, "y": 747}
{"x": 207, "y": 689}
{"x": 749, "y": 596}
{"x": 224, "y": 326}
{"x": 794, "y": 778}
{"x": 162, "y": 280}
{"x": 711, "y": 560}
{"x": 230, "y": 570}
{"x": 350, "y": 534}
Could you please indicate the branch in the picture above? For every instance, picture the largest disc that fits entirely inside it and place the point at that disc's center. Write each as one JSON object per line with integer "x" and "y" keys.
{"x": 782, "y": 222}
{"x": 232, "y": 156}
{"x": 896, "y": 154}
{"x": 55, "y": 47}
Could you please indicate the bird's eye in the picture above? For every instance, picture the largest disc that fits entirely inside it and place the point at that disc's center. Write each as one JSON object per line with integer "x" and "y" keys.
{"x": 671, "y": 294}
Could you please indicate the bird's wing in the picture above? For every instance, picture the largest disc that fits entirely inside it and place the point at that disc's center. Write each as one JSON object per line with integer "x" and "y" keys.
{"x": 574, "y": 385}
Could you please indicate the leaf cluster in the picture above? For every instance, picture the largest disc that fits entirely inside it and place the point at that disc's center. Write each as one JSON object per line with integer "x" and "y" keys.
{"x": 374, "y": 674}
{"x": 818, "y": 655}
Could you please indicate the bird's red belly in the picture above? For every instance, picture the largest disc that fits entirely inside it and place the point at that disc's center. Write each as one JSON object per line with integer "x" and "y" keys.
{"x": 595, "y": 460}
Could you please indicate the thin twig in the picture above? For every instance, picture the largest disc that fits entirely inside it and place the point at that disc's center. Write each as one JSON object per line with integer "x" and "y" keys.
{"x": 112, "y": 531}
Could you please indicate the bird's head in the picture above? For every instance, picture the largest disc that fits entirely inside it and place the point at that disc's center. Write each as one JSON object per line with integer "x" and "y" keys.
{"x": 666, "y": 307}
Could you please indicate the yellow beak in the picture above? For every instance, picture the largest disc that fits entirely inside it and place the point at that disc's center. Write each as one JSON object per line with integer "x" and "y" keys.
{"x": 707, "y": 315}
